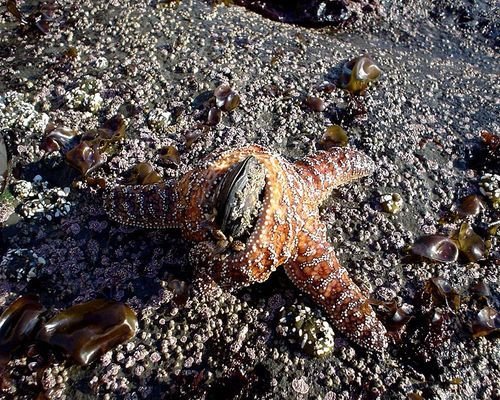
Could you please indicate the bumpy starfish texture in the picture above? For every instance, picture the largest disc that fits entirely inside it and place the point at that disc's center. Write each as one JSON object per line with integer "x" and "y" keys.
{"x": 287, "y": 232}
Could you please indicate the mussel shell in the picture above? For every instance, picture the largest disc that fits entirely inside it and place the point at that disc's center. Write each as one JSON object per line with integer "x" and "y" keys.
{"x": 334, "y": 136}
{"x": 442, "y": 292}
{"x": 231, "y": 102}
{"x": 365, "y": 69}
{"x": 238, "y": 197}
{"x": 116, "y": 127}
{"x": 110, "y": 131}
{"x": 169, "y": 156}
{"x": 84, "y": 158}
{"x": 222, "y": 91}
{"x": 59, "y": 138}
{"x": 358, "y": 73}
{"x": 436, "y": 248}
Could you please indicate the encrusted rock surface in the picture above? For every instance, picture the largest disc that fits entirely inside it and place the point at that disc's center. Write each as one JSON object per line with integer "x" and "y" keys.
{"x": 157, "y": 64}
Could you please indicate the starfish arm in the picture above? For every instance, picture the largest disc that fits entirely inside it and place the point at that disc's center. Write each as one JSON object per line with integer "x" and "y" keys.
{"x": 144, "y": 206}
{"x": 326, "y": 170}
{"x": 317, "y": 271}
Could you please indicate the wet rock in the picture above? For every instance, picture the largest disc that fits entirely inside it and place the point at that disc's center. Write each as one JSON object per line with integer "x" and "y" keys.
{"x": 313, "y": 12}
{"x": 4, "y": 165}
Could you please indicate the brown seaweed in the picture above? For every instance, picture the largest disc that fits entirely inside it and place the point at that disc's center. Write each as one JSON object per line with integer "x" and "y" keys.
{"x": 17, "y": 324}
{"x": 87, "y": 330}
{"x": 436, "y": 248}
{"x": 142, "y": 174}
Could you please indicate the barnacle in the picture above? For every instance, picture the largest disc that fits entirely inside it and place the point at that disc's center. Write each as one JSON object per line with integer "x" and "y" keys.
{"x": 490, "y": 187}
{"x": 391, "y": 203}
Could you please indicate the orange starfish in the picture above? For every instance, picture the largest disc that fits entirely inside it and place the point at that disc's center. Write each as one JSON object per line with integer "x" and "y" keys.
{"x": 286, "y": 231}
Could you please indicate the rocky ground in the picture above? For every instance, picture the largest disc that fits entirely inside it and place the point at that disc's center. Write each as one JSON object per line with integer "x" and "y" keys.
{"x": 156, "y": 63}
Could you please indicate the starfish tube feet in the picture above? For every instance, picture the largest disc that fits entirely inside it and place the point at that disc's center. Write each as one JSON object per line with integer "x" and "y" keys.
{"x": 145, "y": 206}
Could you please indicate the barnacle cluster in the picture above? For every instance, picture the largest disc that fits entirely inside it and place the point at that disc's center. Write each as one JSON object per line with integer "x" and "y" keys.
{"x": 86, "y": 96}
{"x": 490, "y": 187}
{"x": 391, "y": 203}
{"x": 17, "y": 112}
{"x": 39, "y": 199}
{"x": 307, "y": 330}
